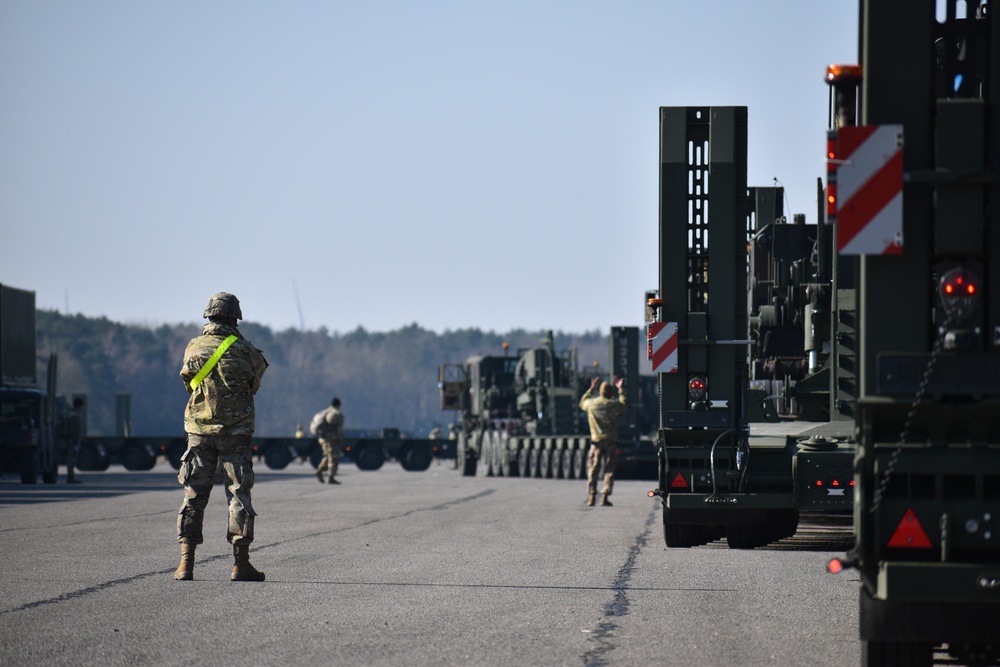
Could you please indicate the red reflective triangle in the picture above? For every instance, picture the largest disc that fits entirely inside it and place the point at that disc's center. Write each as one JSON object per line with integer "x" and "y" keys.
{"x": 679, "y": 482}
{"x": 909, "y": 533}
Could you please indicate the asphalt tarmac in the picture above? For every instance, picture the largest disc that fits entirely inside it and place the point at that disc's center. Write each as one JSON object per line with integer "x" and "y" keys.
{"x": 401, "y": 568}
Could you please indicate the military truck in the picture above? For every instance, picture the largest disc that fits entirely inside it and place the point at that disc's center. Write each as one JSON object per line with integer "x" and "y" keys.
{"x": 520, "y": 413}
{"x": 368, "y": 451}
{"x": 912, "y": 189}
{"x": 27, "y": 418}
{"x": 743, "y": 334}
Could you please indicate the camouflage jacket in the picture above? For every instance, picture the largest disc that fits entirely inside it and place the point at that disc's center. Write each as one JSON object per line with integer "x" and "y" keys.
{"x": 223, "y": 403}
{"x": 329, "y": 424}
{"x": 602, "y": 415}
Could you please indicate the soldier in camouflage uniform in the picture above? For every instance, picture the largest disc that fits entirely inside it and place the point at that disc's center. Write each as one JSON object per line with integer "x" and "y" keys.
{"x": 328, "y": 426}
{"x": 222, "y": 371}
{"x": 602, "y": 415}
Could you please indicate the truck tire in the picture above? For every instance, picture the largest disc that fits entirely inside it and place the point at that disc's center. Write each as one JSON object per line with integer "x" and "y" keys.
{"x": 369, "y": 457}
{"x": 417, "y": 458}
{"x": 315, "y": 454}
{"x": 522, "y": 462}
{"x": 739, "y": 536}
{"x": 93, "y": 457}
{"x": 277, "y": 456}
{"x": 138, "y": 456}
{"x": 679, "y": 536}
{"x": 508, "y": 464}
{"x": 28, "y": 466}
{"x": 545, "y": 464}
{"x": 896, "y": 654}
{"x": 468, "y": 464}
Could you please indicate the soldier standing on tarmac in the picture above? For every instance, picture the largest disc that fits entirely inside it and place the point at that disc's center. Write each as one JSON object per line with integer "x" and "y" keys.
{"x": 328, "y": 426}
{"x": 74, "y": 423}
{"x": 602, "y": 415}
{"x": 222, "y": 371}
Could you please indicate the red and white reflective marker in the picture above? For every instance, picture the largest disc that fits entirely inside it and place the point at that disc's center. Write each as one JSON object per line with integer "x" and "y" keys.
{"x": 867, "y": 161}
{"x": 662, "y": 338}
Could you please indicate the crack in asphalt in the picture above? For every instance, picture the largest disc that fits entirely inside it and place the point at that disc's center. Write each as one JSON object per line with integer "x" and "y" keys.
{"x": 128, "y": 580}
{"x": 604, "y": 633}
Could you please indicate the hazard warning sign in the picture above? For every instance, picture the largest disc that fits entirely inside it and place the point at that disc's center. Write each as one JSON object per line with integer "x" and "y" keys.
{"x": 865, "y": 189}
{"x": 663, "y": 346}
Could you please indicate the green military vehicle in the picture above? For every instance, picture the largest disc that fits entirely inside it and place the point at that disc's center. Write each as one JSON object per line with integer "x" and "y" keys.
{"x": 914, "y": 158}
{"x": 520, "y": 414}
{"x": 754, "y": 427}
{"x": 27, "y": 416}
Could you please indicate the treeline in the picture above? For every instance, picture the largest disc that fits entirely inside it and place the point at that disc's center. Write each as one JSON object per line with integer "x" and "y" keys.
{"x": 383, "y": 379}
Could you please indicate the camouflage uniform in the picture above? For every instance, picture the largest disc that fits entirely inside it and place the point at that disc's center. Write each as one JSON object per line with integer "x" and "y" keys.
{"x": 331, "y": 439}
{"x": 602, "y": 415}
{"x": 219, "y": 420}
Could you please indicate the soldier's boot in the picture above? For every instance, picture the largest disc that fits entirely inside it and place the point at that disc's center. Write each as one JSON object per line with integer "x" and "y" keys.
{"x": 71, "y": 477}
{"x": 243, "y": 570}
{"x": 604, "y": 500}
{"x": 590, "y": 499}
{"x": 185, "y": 571}
{"x": 333, "y": 471}
{"x": 319, "y": 475}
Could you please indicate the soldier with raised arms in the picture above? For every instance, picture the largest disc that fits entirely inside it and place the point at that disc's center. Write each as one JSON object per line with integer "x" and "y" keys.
{"x": 603, "y": 412}
{"x": 222, "y": 371}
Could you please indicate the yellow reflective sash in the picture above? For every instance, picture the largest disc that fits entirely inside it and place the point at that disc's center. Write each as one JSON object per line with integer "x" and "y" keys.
{"x": 212, "y": 361}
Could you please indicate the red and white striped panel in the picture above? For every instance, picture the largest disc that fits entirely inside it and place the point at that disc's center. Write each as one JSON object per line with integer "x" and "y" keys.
{"x": 870, "y": 190}
{"x": 663, "y": 341}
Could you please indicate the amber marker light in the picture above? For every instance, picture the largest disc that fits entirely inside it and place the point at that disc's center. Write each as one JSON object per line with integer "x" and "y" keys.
{"x": 835, "y": 73}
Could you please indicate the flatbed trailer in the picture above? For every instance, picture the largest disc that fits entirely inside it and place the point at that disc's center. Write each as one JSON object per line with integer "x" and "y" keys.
{"x": 139, "y": 453}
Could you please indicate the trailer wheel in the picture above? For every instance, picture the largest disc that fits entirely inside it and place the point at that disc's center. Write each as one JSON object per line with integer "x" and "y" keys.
{"x": 138, "y": 456}
{"x": 739, "y": 536}
{"x": 28, "y": 466}
{"x": 896, "y": 654}
{"x": 369, "y": 457}
{"x": 679, "y": 536}
{"x": 93, "y": 456}
{"x": 468, "y": 463}
{"x": 277, "y": 456}
{"x": 417, "y": 458}
{"x": 508, "y": 464}
{"x": 545, "y": 464}
{"x": 569, "y": 460}
{"x": 315, "y": 454}
{"x": 485, "y": 457}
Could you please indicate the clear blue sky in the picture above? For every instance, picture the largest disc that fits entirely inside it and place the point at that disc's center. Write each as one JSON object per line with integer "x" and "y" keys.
{"x": 455, "y": 164}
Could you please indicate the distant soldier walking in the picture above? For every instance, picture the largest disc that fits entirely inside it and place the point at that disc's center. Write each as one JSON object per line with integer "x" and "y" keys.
{"x": 222, "y": 371}
{"x": 328, "y": 426}
{"x": 602, "y": 415}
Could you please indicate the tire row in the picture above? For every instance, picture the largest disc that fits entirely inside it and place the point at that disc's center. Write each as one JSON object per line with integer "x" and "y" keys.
{"x": 542, "y": 457}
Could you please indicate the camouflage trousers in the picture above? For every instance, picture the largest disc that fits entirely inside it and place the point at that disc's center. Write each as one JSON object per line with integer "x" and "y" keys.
{"x": 72, "y": 455}
{"x": 606, "y": 452}
{"x": 331, "y": 456}
{"x": 197, "y": 473}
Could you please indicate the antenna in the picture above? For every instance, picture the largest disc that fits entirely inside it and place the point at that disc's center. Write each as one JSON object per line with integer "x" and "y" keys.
{"x": 298, "y": 304}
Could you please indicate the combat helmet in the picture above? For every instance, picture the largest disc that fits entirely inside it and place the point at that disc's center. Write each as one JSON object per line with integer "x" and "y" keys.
{"x": 223, "y": 304}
